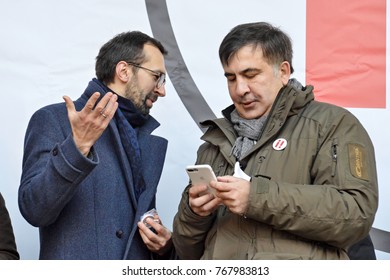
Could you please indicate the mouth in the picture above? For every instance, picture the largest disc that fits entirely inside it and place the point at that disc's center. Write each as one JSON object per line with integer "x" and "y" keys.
{"x": 248, "y": 103}
{"x": 151, "y": 99}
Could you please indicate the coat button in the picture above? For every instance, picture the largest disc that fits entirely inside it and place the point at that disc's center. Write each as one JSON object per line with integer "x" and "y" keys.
{"x": 119, "y": 233}
{"x": 55, "y": 152}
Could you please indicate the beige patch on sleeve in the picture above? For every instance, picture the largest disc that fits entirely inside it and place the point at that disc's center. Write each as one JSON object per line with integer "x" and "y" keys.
{"x": 358, "y": 161}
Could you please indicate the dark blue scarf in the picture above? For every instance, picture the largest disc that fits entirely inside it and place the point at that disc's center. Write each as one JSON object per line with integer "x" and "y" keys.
{"x": 127, "y": 118}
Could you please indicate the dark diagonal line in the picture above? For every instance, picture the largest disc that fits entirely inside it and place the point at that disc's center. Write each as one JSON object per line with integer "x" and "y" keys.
{"x": 178, "y": 72}
{"x": 381, "y": 239}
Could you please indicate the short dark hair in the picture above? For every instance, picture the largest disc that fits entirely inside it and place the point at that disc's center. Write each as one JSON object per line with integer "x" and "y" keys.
{"x": 126, "y": 46}
{"x": 274, "y": 43}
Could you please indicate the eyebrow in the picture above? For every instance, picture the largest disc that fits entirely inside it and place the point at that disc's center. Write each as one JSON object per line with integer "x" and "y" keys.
{"x": 243, "y": 72}
{"x": 159, "y": 72}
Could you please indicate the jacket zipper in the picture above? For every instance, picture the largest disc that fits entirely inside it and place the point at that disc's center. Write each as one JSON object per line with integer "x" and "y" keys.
{"x": 334, "y": 156}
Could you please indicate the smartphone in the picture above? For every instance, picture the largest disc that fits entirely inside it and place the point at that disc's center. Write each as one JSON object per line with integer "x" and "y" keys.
{"x": 202, "y": 174}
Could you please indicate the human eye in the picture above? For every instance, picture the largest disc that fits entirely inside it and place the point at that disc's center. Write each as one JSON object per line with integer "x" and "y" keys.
{"x": 161, "y": 78}
{"x": 251, "y": 73}
{"x": 230, "y": 77}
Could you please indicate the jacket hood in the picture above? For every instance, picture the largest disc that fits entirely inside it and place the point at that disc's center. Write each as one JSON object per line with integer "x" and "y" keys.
{"x": 289, "y": 101}
{"x": 293, "y": 97}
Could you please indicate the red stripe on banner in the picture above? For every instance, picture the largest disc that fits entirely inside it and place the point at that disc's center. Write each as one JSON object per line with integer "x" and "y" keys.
{"x": 346, "y": 52}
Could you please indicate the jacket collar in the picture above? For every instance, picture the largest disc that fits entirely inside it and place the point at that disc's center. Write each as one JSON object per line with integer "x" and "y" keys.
{"x": 289, "y": 101}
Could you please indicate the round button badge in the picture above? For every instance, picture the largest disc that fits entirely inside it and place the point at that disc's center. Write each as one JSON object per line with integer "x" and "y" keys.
{"x": 279, "y": 144}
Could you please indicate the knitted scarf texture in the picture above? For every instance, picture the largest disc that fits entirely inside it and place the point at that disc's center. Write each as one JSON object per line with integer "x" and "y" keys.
{"x": 248, "y": 132}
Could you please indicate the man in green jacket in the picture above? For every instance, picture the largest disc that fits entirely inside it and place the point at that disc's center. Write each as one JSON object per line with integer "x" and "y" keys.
{"x": 296, "y": 177}
{"x": 8, "y": 249}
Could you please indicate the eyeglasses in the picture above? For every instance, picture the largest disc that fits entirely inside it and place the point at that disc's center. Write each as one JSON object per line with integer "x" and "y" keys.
{"x": 160, "y": 76}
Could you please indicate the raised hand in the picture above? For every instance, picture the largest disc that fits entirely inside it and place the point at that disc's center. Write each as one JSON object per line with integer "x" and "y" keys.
{"x": 89, "y": 123}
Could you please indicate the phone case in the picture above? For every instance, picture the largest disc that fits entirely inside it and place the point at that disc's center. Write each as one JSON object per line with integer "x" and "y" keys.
{"x": 201, "y": 174}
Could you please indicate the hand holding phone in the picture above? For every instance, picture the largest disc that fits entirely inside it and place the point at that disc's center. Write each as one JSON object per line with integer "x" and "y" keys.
{"x": 202, "y": 174}
{"x": 150, "y": 214}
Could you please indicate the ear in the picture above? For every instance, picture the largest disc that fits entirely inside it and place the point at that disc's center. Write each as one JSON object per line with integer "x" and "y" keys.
{"x": 123, "y": 72}
{"x": 285, "y": 72}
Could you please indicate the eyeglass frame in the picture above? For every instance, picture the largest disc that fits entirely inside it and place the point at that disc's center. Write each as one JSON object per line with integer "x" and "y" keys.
{"x": 160, "y": 76}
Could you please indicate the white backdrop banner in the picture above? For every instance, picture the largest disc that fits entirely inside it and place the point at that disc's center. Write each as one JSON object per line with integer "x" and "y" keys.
{"x": 48, "y": 50}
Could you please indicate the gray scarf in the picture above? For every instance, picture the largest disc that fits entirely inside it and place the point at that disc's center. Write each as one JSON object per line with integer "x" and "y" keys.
{"x": 248, "y": 132}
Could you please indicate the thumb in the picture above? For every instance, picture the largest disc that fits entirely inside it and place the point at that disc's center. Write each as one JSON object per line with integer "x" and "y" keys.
{"x": 226, "y": 179}
{"x": 69, "y": 104}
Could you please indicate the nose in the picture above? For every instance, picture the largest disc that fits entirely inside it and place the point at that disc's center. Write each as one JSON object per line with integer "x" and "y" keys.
{"x": 242, "y": 87}
{"x": 160, "y": 91}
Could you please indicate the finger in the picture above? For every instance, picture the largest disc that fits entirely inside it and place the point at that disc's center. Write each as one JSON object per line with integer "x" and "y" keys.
{"x": 142, "y": 229}
{"x": 155, "y": 225}
{"x": 112, "y": 110}
{"x": 108, "y": 102}
{"x": 152, "y": 241}
{"x": 227, "y": 179}
{"x": 69, "y": 104}
{"x": 151, "y": 227}
{"x": 201, "y": 200}
{"x": 204, "y": 205}
{"x": 145, "y": 231}
{"x": 111, "y": 103}
{"x": 225, "y": 196}
{"x": 156, "y": 217}
{"x": 196, "y": 190}
{"x": 91, "y": 102}
{"x": 221, "y": 186}
{"x": 152, "y": 221}
{"x": 226, "y": 183}
{"x": 109, "y": 106}
{"x": 211, "y": 205}
{"x": 102, "y": 104}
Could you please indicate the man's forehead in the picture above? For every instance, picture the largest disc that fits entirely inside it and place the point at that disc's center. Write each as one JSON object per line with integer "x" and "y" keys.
{"x": 246, "y": 52}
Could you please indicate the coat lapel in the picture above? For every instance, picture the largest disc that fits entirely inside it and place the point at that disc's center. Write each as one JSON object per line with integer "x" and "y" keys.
{"x": 153, "y": 150}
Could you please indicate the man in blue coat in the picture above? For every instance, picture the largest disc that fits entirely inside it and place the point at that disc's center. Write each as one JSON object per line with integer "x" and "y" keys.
{"x": 91, "y": 167}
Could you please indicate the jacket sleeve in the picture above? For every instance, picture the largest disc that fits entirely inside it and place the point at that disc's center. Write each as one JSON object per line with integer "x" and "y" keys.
{"x": 339, "y": 207}
{"x": 190, "y": 230}
{"x": 53, "y": 167}
{"x": 7, "y": 239}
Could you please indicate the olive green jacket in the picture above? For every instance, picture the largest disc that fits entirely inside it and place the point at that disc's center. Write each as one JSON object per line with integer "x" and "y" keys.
{"x": 8, "y": 249}
{"x": 311, "y": 200}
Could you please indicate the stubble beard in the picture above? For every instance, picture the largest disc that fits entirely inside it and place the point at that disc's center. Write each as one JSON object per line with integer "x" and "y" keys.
{"x": 137, "y": 96}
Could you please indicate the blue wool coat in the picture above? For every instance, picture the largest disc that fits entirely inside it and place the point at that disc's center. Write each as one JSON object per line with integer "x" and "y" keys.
{"x": 85, "y": 208}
